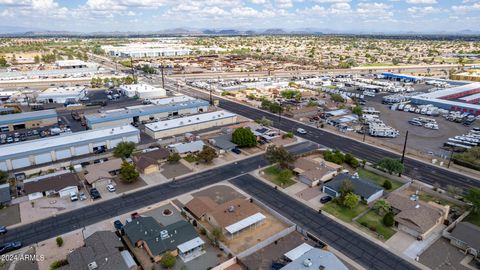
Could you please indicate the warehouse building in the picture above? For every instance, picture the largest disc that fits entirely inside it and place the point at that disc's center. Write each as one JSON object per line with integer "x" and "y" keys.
{"x": 26, "y": 120}
{"x": 71, "y": 64}
{"x": 142, "y": 90}
{"x": 400, "y": 77}
{"x": 144, "y": 113}
{"x": 41, "y": 151}
{"x": 62, "y": 94}
{"x": 464, "y": 98}
{"x": 191, "y": 123}
{"x": 133, "y": 52}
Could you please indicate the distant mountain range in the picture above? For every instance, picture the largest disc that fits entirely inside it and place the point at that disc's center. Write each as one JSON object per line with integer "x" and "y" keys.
{"x": 15, "y": 31}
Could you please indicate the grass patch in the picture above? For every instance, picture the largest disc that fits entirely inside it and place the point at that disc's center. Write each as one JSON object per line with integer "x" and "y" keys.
{"x": 342, "y": 212}
{"x": 473, "y": 218}
{"x": 378, "y": 179}
{"x": 372, "y": 221}
{"x": 278, "y": 176}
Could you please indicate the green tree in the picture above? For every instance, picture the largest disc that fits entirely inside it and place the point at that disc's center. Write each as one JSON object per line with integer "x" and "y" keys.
{"x": 59, "y": 241}
{"x": 382, "y": 207}
{"x": 128, "y": 173}
{"x": 473, "y": 197}
{"x": 207, "y": 154}
{"x": 57, "y": 264}
{"x": 264, "y": 121}
{"x": 124, "y": 149}
{"x": 36, "y": 58}
{"x": 334, "y": 156}
{"x": 387, "y": 184}
{"x": 337, "y": 98}
{"x": 168, "y": 261}
{"x": 174, "y": 157}
{"x": 3, "y": 177}
{"x": 244, "y": 137}
{"x": 357, "y": 110}
{"x": 280, "y": 155}
{"x": 391, "y": 165}
{"x": 346, "y": 187}
{"x": 3, "y": 62}
{"x": 350, "y": 201}
{"x": 291, "y": 94}
{"x": 389, "y": 219}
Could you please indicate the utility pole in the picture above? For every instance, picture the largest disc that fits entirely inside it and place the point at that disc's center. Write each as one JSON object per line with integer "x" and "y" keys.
{"x": 133, "y": 69}
{"x": 404, "y": 147}
{"x": 450, "y": 159}
{"x": 211, "y": 99}
{"x": 364, "y": 131}
{"x": 163, "y": 78}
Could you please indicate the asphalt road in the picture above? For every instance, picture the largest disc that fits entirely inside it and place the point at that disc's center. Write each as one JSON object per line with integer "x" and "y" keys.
{"x": 351, "y": 244}
{"x": 413, "y": 168}
{"x": 44, "y": 229}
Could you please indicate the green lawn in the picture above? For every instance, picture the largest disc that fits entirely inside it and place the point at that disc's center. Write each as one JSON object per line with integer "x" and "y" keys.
{"x": 278, "y": 176}
{"x": 378, "y": 179}
{"x": 473, "y": 218}
{"x": 342, "y": 212}
{"x": 372, "y": 221}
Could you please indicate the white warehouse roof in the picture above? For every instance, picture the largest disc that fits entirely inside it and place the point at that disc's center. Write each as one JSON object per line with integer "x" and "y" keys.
{"x": 245, "y": 223}
{"x": 140, "y": 88}
{"x": 62, "y": 91}
{"x": 188, "y": 120}
{"x": 298, "y": 251}
{"x": 65, "y": 140}
{"x": 170, "y": 100}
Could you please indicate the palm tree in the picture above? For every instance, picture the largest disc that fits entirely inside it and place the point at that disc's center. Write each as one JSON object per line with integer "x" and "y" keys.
{"x": 382, "y": 207}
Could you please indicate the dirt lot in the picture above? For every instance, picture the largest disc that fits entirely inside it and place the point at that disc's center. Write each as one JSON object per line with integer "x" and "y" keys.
{"x": 10, "y": 215}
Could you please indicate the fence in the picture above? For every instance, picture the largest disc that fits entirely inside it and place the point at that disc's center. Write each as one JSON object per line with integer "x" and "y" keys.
{"x": 266, "y": 242}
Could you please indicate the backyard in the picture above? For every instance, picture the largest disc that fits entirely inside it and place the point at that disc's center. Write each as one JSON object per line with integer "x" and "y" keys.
{"x": 473, "y": 218}
{"x": 344, "y": 213}
{"x": 279, "y": 176}
{"x": 374, "y": 222}
{"x": 378, "y": 179}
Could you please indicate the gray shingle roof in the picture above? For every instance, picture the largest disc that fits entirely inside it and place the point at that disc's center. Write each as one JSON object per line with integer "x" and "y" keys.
{"x": 5, "y": 193}
{"x": 467, "y": 233}
{"x": 361, "y": 187}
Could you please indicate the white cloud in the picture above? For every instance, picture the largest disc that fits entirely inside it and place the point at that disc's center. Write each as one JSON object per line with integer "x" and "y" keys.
{"x": 333, "y": 1}
{"x": 466, "y": 8}
{"x": 377, "y": 10}
{"x": 423, "y": 10}
{"x": 428, "y": 2}
{"x": 7, "y": 13}
{"x": 258, "y": 2}
{"x": 284, "y": 3}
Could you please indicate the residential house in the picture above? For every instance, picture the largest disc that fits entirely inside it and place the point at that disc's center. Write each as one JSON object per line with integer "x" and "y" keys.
{"x": 178, "y": 239}
{"x": 148, "y": 162}
{"x": 233, "y": 216}
{"x": 63, "y": 183}
{"x": 466, "y": 236}
{"x": 103, "y": 250}
{"x": 185, "y": 148}
{"x": 105, "y": 171}
{"x": 223, "y": 142}
{"x": 415, "y": 217}
{"x": 5, "y": 196}
{"x": 314, "y": 173}
{"x": 315, "y": 258}
{"x": 365, "y": 189}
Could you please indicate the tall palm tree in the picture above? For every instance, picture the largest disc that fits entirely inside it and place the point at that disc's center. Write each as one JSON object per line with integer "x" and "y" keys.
{"x": 382, "y": 207}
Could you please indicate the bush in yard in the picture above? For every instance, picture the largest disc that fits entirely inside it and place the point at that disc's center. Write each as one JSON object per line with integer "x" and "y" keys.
{"x": 128, "y": 173}
{"x": 168, "y": 261}
{"x": 391, "y": 165}
{"x": 387, "y": 185}
{"x": 57, "y": 264}
{"x": 388, "y": 219}
{"x": 207, "y": 154}
{"x": 350, "y": 200}
{"x": 244, "y": 137}
{"x": 59, "y": 241}
{"x": 287, "y": 135}
{"x": 279, "y": 155}
{"x": 174, "y": 158}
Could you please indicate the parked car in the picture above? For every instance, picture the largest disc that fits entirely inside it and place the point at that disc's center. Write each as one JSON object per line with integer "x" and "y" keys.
{"x": 325, "y": 199}
{"x": 7, "y": 247}
{"x": 301, "y": 131}
{"x": 3, "y": 229}
{"x": 73, "y": 196}
{"x": 118, "y": 224}
{"x": 111, "y": 188}
{"x": 95, "y": 194}
{"x": 82, "y": 196}
{"x": 9, "y": 140}
{"x": 236, "y": 151}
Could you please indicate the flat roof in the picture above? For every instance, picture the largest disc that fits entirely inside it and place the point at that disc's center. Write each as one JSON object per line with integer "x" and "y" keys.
{"x": 188, "y": 120}
{"x": 71, "y": 90}
{"x": 245, "y": 223}
{"x": 144, "y": 110}
{"x": 450, "y": 91}
{"x": 314, "y": 259}
{"x": 141, "y": 87}
{"x": 52, "y": 72}
{"x": 298, "y": 251}
{"x": 27, "y": 116}
{"x": 67, "y": 63}
{"x": 470, "y": 97}
{"x": 66, "y": 140}
{"x": 191, "y": 244}
{"x": 174, "y": 99}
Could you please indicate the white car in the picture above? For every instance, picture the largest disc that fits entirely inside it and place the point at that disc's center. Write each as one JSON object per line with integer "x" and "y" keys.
{"x": 111, "y": 188}
{"x": 73, "y": 196}
{"x": 301, "y": 131}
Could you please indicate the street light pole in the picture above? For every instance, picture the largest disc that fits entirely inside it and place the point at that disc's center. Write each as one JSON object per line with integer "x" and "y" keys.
{"x": 404, "y": 147}
{"x": 450, "y": 159}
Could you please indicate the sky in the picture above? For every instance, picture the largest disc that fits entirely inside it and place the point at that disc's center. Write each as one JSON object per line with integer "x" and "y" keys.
{"x": 153, "y": 15}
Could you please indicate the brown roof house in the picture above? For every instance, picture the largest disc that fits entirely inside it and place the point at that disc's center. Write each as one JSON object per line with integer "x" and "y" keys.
{"x": 105, "y": 171}
{"x": 313, "y": 172}
{"x": 233, "y": 216}
{"x": 149, "y": 162}
{"x": 62, "y": 183}
{"x": 415, "y": 217}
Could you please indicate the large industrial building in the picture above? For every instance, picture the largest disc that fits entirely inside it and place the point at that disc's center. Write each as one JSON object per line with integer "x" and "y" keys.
{"x": 71, "y": 64}
{"x": 41, "y": 151}
{"x": 190, "y": 123}
{"x": 87, "y": 72}
{"x": 147, "y": 50}
{"x": 62, "y": 94}
{"x": 464, "y": 98}
{"x": 147, "y": 113}
{"x": 26, "y": 120}
{"x": 142, "y": 90}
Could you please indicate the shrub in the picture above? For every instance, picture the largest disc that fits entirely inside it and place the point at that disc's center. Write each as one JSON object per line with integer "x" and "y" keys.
{"x": 203, "y": 231}
{"x": 287, "y": 135}
{"x": 59, "y": 241}
{"x": 168, "y": 261}
{"x": 388, "y": 219}
{"x": 57, "y": 264}
{"x": 387, "y": 184}
{"x": 174, "y": 158}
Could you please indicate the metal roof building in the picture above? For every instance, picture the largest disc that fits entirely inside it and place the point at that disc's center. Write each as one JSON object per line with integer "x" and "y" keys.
{"x": 401, "y": 77}
{"x": 144, "y": 113}
{"x": 16, "y": 121}
{"x": 50, "y": 149}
